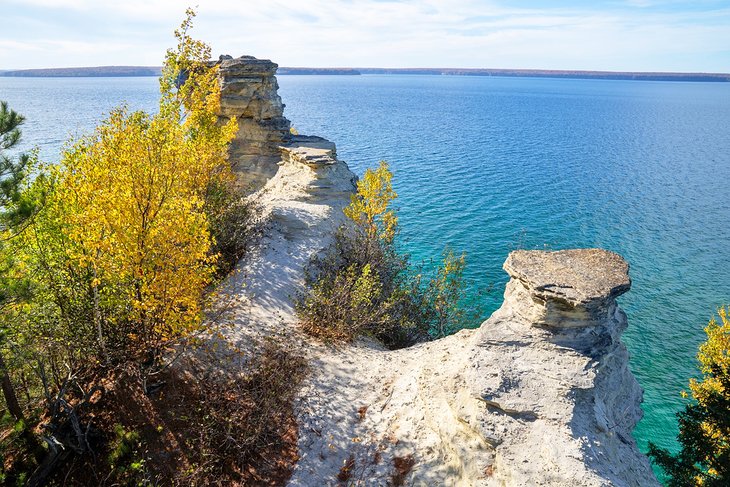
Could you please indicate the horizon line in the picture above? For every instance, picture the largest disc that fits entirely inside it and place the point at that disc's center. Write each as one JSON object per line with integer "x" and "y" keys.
{"x": 136, "y": 70}
{"x": 432, "y": 68}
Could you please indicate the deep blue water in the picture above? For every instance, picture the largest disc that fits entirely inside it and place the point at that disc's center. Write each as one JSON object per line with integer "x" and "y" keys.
{"x": 487, "y": 165}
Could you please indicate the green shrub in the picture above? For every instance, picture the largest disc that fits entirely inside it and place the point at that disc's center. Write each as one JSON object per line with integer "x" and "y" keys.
{"x": 704, "y": 425}
{"x": 361, "y": 284}
{"x": 123, "y": 446}
{"x": 232, "y": 222}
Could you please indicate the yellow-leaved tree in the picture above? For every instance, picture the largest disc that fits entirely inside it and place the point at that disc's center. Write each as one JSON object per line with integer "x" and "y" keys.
{"x": 704, "y": 425}
{"x": 123, "y": 244}
{"x": 361, "y": 284}
{"x": 370, "y": 208}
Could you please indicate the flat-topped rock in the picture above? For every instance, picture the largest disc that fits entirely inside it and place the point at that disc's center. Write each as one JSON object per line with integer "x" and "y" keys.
{"x": 309, "y": 150}
{"x": 249, "y": 92}
{"x": 566, "y": 288}
{"x": 576, "y": 276}
{"x": 246, "y": 66}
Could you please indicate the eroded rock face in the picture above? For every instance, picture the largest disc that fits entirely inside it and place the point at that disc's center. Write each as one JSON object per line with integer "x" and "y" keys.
{"x": 566, "y": 288}
{"x": 249, "y": 92}
{"x": 560, "y": 400}
{"x": 539, "y": 394}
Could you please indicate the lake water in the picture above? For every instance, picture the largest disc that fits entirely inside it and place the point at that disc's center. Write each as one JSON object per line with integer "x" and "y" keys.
{"x": 488, "y": 165}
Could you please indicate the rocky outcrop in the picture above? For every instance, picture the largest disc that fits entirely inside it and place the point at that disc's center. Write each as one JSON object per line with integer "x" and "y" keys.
{"x": 301, "y": 187}
{"x": 560, "y": 401}
{"x": 249, "y": 93}
{"x": 539, "y": 394}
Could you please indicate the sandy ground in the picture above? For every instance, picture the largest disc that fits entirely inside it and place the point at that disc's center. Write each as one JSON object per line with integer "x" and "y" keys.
{"x": 504, "y": 404}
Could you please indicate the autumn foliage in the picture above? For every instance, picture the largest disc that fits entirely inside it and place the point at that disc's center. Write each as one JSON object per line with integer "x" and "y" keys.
{"x": 107, "y": 280}
{"x": 704, "y": 425}
{"x": 362, "y": 285}
{"x": 123, "y": 241}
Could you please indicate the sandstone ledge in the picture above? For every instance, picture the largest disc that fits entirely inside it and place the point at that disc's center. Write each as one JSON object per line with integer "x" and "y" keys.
{"x": 577, "y": 277}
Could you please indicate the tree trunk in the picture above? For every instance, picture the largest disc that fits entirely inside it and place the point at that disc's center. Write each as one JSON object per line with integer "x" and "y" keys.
{"x": 97, "y": 318}
{"x": 9, "y": 393}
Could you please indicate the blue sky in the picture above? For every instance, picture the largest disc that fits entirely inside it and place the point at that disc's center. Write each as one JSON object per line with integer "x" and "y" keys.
{"x": 631, "y": 35}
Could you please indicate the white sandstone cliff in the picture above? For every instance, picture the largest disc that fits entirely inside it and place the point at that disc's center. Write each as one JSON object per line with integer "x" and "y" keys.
{"x": 539, "y": 394}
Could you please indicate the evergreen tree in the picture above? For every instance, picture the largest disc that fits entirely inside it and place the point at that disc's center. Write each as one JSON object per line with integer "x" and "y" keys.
{"x": 13, "y": 210}
{"x": 13, "y": 170}
{"x": 704, "y": 425}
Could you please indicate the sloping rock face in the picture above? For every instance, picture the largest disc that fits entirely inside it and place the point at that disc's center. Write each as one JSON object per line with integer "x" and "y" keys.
{"x": 539, "y": 394}
{"x": 249, "y": 93}
{"x": 301, "y": 187}
{"x": 561, "y": 403}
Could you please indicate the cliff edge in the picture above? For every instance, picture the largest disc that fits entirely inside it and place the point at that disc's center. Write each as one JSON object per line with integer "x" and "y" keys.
{"x": 539, "y": 394}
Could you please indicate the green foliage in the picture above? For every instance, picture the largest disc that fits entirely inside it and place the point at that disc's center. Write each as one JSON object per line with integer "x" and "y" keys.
{"x": 123, "y": 446}
{"x": 107, "y": 257}
{"x": 704, "y": 425}
{"x": 444, "y": 294}
{"x": 361, "y": 285}
{"x": 15, "y": 451}
{"x": 233, "y": 225}
{"x": 14, "y": 208}
{"x": 126, "y": 458}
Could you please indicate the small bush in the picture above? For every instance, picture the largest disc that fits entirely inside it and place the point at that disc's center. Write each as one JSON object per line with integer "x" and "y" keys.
{"x": 232, "y": 222}
{"x": 123, "y": 446}
{"x": 361, "y": 285}
{"x": 240, "y": 429}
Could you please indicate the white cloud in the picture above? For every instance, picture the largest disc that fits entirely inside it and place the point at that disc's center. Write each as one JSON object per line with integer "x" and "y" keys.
{"x": 457, "y": 33}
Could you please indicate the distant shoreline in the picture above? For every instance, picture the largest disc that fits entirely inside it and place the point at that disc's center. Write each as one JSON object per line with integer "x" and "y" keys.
{"x": 123, "y": 71}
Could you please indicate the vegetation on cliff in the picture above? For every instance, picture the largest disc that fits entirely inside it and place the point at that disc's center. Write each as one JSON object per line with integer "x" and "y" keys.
{"x": 107, "y": 262}
{"x": 362, "y": 285}
{"x": 704, "y": 425}
{"x": 15, "y": 210}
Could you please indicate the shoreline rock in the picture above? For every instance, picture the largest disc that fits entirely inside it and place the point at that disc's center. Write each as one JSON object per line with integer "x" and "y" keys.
{"x": 249, "y": 92}
{"x": 539, "y": 394}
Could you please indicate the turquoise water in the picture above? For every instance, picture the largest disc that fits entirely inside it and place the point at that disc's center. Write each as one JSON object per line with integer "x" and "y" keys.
{"x": 488, "y": 165}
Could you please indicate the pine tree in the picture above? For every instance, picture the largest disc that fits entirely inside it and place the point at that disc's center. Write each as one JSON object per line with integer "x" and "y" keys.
{"x": 13, "y": 170}
{"x": 704, "y": 425}
{"x": 13, "y": 210}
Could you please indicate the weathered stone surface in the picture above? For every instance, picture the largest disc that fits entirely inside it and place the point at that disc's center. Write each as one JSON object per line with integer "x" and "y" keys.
{"x": 577, "y": 277}
{"x": 539, "y": 394}
{"x": 515, "y": 402}
{"x": 249, "y": 92}
{"x": 310, "y": 150}
{"x": 551, "y": 360}
{"x": 566, "y": 287}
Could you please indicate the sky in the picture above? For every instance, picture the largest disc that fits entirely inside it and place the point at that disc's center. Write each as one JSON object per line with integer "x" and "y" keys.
{"x": 610, "y": 35}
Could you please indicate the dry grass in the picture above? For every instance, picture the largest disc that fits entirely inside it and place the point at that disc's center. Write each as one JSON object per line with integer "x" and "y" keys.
{"x": 195, "y": 429}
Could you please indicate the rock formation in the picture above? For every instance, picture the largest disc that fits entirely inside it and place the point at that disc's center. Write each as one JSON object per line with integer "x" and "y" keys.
{"x": 249, "y": 93}
{"x": 539, "y": 394}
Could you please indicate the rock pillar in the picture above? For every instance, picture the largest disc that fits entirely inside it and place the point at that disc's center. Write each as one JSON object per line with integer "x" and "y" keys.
{"x": 249, "y": 93}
